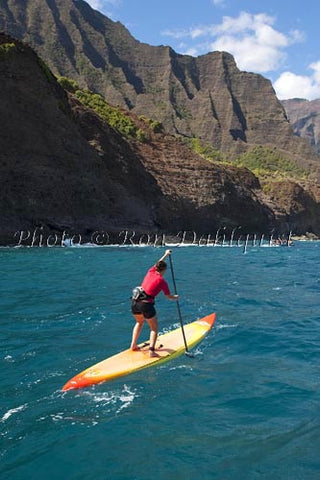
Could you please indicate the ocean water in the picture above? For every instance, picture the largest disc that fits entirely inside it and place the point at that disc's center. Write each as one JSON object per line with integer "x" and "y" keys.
{"x": 247, "y": 406}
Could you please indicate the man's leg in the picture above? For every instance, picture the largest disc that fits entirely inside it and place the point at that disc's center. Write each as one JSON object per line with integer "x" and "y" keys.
{"x": 136, "y": 330}
{"x": 153, "y": 324}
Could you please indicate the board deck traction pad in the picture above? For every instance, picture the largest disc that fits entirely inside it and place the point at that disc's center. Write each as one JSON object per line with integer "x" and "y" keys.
{"x": 169, "y": 346}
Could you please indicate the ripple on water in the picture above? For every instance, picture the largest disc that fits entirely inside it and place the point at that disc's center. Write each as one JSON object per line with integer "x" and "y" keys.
{"x": 246, "y": 406}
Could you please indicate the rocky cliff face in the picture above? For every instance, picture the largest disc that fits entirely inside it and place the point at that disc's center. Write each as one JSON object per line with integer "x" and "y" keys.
{"x": 304, "y": 116}
{"x": 49, "y": 173}
{"x": 63, "y": 167}
{"x": 207, "y": 97}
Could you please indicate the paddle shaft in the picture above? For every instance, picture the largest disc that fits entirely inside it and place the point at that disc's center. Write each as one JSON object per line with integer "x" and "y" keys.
{"x": 178, "y": 306}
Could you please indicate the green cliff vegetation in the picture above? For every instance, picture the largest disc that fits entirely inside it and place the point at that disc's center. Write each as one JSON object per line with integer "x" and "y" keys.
{"x": 266, "y": 163}
{"x": 269, "y": 163}
{"x": 155, "y": 126}
{"x": 68, "y": 84}
{"x": 46, "y": 70}
{"x": 112, "y": 115}
{"x": 205, "y": 150}
{"x": 6, "y": 49}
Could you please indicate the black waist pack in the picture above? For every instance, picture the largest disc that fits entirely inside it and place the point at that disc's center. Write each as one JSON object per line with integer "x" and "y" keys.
{"x": 138, "y": 294}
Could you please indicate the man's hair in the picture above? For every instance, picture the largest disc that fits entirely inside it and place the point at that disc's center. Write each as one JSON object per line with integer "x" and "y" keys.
{"x": 160, "y": 266}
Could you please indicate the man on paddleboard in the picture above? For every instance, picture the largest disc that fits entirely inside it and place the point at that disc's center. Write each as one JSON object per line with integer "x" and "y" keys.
{"x": 143, "y": 301}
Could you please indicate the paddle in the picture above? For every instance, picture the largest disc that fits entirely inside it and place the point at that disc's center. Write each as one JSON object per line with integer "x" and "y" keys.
{"x": 179, "y": 311}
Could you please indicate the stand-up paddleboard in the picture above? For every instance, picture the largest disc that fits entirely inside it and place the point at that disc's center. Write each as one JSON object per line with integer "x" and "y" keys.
{"x": 169, "y": 345}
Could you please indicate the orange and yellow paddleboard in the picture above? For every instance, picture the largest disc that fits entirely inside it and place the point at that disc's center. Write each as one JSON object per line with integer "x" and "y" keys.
{"x": 169, "y": 345}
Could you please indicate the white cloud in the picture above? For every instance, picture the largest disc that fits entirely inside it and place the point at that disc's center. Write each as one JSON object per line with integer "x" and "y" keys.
{"x": 101, "y": 4}
{"x": 252, "y": 39}
{"x": 219, "y": 3}
{"x": 243, "y": 23}
{"x": 191, "y": 51}
{"x": 316, "y": 67}
{"x": 290, "y": 85}
{"x": 251, "y": 55}
{"x": 176, "y": 33}
{"x": 96, "y": 4}
{"x": 297, "y": 36}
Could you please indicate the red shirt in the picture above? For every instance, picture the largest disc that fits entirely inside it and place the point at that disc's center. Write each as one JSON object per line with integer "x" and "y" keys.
{"x": 153, "y": 283}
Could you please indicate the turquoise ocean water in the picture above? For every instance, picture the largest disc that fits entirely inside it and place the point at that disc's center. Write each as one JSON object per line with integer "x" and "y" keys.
{"x": 246, "y": 407}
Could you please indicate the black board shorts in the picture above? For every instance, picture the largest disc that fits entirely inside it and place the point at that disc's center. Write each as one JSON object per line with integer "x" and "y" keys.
{"x": 145, "y": 308}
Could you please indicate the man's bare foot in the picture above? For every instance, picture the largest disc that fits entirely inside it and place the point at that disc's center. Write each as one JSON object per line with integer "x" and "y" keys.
{"x": 135, "y": 348}
{"x": 152, "y": 353}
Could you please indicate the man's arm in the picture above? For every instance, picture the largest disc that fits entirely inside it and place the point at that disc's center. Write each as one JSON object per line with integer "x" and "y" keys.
{"x": 167, "y": 252}
{"x": 168, "y": 295}
{"x": 172, "y": 297}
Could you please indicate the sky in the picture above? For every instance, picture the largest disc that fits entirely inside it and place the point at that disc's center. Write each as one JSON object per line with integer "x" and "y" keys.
{"x": 277, "y": 38}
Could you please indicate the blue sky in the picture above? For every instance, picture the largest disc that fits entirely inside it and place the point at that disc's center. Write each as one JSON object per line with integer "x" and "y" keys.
{"x": 276, "y": 38}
